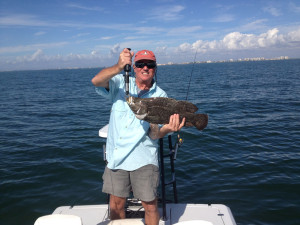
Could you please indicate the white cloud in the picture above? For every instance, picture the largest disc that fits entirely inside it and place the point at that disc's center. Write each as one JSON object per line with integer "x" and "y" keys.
{"x": 254, "y": 25}
{"x": 148, "y": 30}
{"x": 272, "y": 10}
{"x": 223, "y": 18}
{"x": 82, "y": 34}
{"x": 34, "y": 21}
{"x": 294, "y": 8}
{"x": 106, "y": 38}
{"x": 185, "y": 30}
{"x": 184, "y": 47}
{"x": 270, "y": 41}
{"x": 78, "y": 6}
{"x": 40, "y": 33}
{"x": 115, "y": 49}
{"x": 21, "y": 20}
{"x": 294, "y": 36}
{"x": 161, "y": 50}
{"x": 169, "y": 13}
{"x": 37, "y": 55}
{"x": 95, "y": 53}
{"x": 241, "y": 41}
{"x": 39, "y": 60}
{"x": 28, "y": 48}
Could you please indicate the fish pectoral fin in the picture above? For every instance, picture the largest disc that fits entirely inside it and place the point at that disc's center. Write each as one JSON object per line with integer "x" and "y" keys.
{"x": 141, "y": 116}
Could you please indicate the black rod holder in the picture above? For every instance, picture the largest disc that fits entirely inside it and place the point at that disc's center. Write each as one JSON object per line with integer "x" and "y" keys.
{"x": 162, "y": 179}
{"x": 173, "y": 168}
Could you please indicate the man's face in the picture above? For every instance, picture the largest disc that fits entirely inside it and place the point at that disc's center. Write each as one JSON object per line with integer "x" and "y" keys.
{"x": 144, "y": 74}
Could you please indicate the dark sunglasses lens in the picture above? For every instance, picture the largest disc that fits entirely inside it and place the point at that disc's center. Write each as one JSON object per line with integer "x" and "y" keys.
{"x": 150, "y": 65}
{"x": 139, "y": 65}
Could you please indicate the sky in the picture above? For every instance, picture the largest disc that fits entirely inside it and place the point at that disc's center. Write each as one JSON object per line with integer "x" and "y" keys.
{"x": 44, "y": 34}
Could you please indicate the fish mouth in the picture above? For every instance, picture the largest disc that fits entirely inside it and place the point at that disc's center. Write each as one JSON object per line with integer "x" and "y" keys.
{"x": 129, "y": 100}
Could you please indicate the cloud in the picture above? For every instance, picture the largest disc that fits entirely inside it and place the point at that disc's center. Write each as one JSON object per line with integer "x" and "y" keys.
{"x": 185, "y": 30}
{"x": 294, "y": 8}
{"x": 21, "y": 20}
{"x": 40, "y": 33}
{"x": 169, "y": 13}
{"x": 106, "y": 38}
{"x": 223, "y": 18}
{"x": 28, "y": 48}
{"x": 115, "y": 49}
{"x": 243, "y": 41}
{"x": 254, "y": 26}
{"x": 39, "y": 60}
{"x": 268, "y": 41}
{"x": 26, "y": 20}
{"x": 148, "y": 30}
{"x": 271, "y": 38}
{"x": 294, "y": 36}
{"x": 81, "y": 34}
{"x": 272, "y": 10}
{"x": 37, "y": 55}
{"x": 78, "y": 6}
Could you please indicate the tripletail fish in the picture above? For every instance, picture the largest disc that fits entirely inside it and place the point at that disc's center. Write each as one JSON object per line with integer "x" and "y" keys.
{"x": 158, "y": 110}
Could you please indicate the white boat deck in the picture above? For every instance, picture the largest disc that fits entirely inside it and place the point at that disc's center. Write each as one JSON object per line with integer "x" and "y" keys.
{"x": 176, "y": 214}
{"x": 214, "y": 214}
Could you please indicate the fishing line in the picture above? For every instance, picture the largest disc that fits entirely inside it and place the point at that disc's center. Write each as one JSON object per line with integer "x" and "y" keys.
{"x": 187, "y": 94}
{"x": 179, "y": 140}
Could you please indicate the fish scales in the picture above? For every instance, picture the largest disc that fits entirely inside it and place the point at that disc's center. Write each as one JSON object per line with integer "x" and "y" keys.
{"x": 179, "y": 106}
{"x": 158, "y": 110}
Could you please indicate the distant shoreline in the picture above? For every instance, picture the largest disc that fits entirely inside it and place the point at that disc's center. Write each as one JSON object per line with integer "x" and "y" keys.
{"x": 231, "y": 60}
{"x": 168, "y": 64}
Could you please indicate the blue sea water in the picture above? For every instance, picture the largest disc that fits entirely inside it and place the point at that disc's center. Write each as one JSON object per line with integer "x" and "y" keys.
{"x": 247, "y": 158}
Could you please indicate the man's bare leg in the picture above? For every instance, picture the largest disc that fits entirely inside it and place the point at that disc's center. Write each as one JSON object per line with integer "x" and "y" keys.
{"x": 151, "y": 212}
{"x": 117, "y": 210}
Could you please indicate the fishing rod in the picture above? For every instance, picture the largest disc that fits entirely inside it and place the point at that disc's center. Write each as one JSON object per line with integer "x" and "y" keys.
{"x": 127, "y": 70}
{"x": 187, "y": 93}
{"x": 173, "y": 153}
{"x": 179, "y": 140}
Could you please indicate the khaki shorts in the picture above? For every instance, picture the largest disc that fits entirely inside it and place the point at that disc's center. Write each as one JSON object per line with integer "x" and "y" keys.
{"x": 143, "y": 182}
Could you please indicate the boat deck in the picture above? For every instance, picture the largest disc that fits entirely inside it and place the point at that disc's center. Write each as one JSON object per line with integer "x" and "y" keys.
{"x": 215, "y": 214}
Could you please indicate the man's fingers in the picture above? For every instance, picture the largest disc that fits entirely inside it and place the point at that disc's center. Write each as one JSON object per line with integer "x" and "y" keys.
{"x": 182, "y": 123}
{"x": 174, "y": 122}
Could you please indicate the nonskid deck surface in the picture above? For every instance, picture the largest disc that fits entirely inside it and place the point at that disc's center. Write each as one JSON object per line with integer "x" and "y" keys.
{"x": 216, "y": 214}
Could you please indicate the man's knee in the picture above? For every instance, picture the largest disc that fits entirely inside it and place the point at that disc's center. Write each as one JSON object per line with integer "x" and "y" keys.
{"x": 150, "y": 207}
{"x": 117, "y": 203}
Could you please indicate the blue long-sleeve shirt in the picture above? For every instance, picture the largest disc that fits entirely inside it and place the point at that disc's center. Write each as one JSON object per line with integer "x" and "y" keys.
{"x": 128, "y": 144}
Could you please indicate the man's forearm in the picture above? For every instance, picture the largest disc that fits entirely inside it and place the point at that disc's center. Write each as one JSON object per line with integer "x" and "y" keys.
{"x": 156, "y": 133}
{"x": 174, "y": 125}
{"x": 103, "y": 77}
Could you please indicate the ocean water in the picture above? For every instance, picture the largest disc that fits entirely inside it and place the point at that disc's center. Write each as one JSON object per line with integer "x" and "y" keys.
{"x": 247, "y": 158}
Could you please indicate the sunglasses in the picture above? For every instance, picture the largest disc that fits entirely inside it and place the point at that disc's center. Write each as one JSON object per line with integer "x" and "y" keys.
{"x": 150, "y": 65}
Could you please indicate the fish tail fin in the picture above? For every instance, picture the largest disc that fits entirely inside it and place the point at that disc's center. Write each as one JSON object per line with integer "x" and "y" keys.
{"x": 200, "y": 121}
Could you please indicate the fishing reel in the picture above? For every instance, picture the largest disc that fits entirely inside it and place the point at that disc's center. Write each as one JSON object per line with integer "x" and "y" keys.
{"x": 177, "y": 145}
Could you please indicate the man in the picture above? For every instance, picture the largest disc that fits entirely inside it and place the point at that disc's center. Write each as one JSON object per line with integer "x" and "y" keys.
{"x": 132, "y": 143}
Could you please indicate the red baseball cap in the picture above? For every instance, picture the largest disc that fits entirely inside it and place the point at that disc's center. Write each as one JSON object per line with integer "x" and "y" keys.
{"x": 144, "y": 54}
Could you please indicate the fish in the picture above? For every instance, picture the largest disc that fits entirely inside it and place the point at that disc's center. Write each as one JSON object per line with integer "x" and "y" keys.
{"x": 157, "y": 110}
